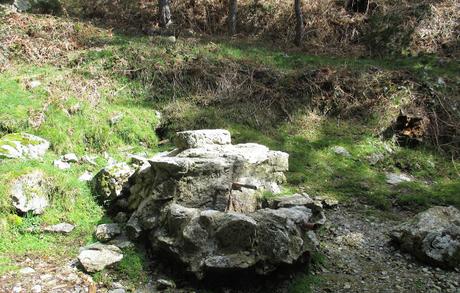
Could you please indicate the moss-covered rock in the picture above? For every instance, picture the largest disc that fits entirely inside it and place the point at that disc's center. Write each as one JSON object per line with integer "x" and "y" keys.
{"x": 433, "y": 236}
{"x": 22, "y": 145}
{"x": 109, "y": 182}
{"x": 30, "y": 192}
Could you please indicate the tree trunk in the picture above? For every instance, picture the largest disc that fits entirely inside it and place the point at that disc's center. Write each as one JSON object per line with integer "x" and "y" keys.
{"x": 299, "y": 28}
{"x": 232, "y": 15}
{"x": 164, "y": 13}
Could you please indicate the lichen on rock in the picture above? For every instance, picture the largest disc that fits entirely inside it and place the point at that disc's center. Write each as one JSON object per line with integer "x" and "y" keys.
{"x": 22, "y": 145}
{"x": 201, "y": 204}
{"x": 30, "y": 192}
{"x": 432, "y": 236}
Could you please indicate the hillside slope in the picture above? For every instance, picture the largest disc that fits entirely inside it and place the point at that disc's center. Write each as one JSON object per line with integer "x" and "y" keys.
{"x": 94, "y": 92}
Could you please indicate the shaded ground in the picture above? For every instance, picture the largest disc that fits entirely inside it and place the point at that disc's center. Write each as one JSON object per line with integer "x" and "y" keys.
{"x": 359, "y": 257}
{"x": 87, "y": 75}
{"x": 355, "y": 256}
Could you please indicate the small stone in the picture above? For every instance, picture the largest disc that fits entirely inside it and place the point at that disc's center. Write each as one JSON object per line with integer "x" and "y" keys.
{"x": 36, "y": 289}
{"x": 30, "y": 192}
{"x": 64, "y": 228}
{"x": 22, "y": 145}
{"x": 97, "y": 256}
{"x": 431, "y": 236}
{"x": 199, "y": 138}
{"x": 375, "y": 158}
{"x": 61, "y": 165}
{"x": 106, "y": 232}
{"x": 117, "y": 285}
{"x": 87, "y": 176}
{"x": 137, "y": 160}
{"x": 17, "y": 289}
{"x": 109, "y": 182}
{"x": 69, "y": 158}
{"x": 347, "y": 286}
{"x": 115, "y": 119}
{"x": 26, "y": 271}
{"x": 34, "y": 84}
{"x": 46, "y": 277}
{"x": 341, "y": 151}
{"x": 88, "y": 160}
{"x": 395, "y": 179}
{"x": 118, "y": 290}
{"x": 165, "y": 284}
{"x": 172, "y": 39}
{"x": 74, "y": 109}
{"x": 121, "y": 217}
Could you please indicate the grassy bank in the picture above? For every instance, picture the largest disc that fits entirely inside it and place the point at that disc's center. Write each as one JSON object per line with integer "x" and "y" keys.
{"x": 302, "y": 104}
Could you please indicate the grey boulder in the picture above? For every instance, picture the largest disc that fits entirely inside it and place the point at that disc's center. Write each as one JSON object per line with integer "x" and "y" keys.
{"x": 60, "y": 164}
{"x": 211, "y": 240}
{"x": 396, "y": 179}
{"x": 199, "y": 138}
{"x": 106, "y": 232}
{"x": 22, "y": 146}
{"x": 69, "y": 158}
{"x": 432, "y": 236}
{"x": 64, "y": 228}
{"x": 339, "y": 150}
{"x": 30, "y": 193}
{"x": 201, "y": 205}
{"x": 110, "y": 181}
{"x": 97, "y": 256}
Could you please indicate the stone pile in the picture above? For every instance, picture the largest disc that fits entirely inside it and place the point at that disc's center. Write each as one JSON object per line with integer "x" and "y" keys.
{"x": 203, "y": 205}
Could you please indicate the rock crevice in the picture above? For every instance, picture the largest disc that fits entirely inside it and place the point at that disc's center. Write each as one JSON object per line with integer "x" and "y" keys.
{"x": 201, "y": 204}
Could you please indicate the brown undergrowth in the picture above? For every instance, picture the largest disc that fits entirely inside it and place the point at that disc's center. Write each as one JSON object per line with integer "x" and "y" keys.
{"x": 387, "y": 28}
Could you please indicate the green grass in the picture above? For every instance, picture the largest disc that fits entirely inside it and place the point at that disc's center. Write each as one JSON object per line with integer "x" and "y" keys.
{"x": 134, "y": 76}
{"x": 87, "y": 130}
{"x": 132, "y": 266}
{"x": 131, "y": 269}
{"x": 316, "y": 169}
{"x": 70, "y": 202}
{"x": 303, "y": 283}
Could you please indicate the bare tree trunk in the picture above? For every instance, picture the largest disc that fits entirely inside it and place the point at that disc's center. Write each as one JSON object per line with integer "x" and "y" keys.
{"x": 232, "y": 16}
{"x": 164, "y": 13}
{"x": 299, "y": 28}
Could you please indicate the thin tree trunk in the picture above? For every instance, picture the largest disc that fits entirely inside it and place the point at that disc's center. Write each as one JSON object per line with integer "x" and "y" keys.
{"x": 232, "y": 16}
{"x": 299, "y": 28}
{"x": 164, "y": 13}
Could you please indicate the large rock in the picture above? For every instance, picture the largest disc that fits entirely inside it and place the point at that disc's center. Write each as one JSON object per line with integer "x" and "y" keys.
{"x": 97, "y": 256}
{"x": 22, "y": 5}
{"x": 30, "y": 193}
{"x": 201, "y": 205}
{"x": 108, "y": 184}
{"x": 199, "y": 138}
{"x": 47, "y": 6}
{"x": 433, "y": 236}
{"x": 209, "y": 240}
{"x": 22, "y": 145}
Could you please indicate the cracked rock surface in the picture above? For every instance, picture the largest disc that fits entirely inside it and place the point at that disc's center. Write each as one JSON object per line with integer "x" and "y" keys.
{"x": 201, "y": 205}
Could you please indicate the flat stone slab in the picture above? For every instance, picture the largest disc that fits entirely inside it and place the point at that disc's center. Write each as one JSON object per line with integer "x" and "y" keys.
{"x": 97, "y": 256}
{"x": 395, "y": 179}
{"x": 198, "y": 138}
{"x": 64, "y": 228}
{"x": 22, "y": 145}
